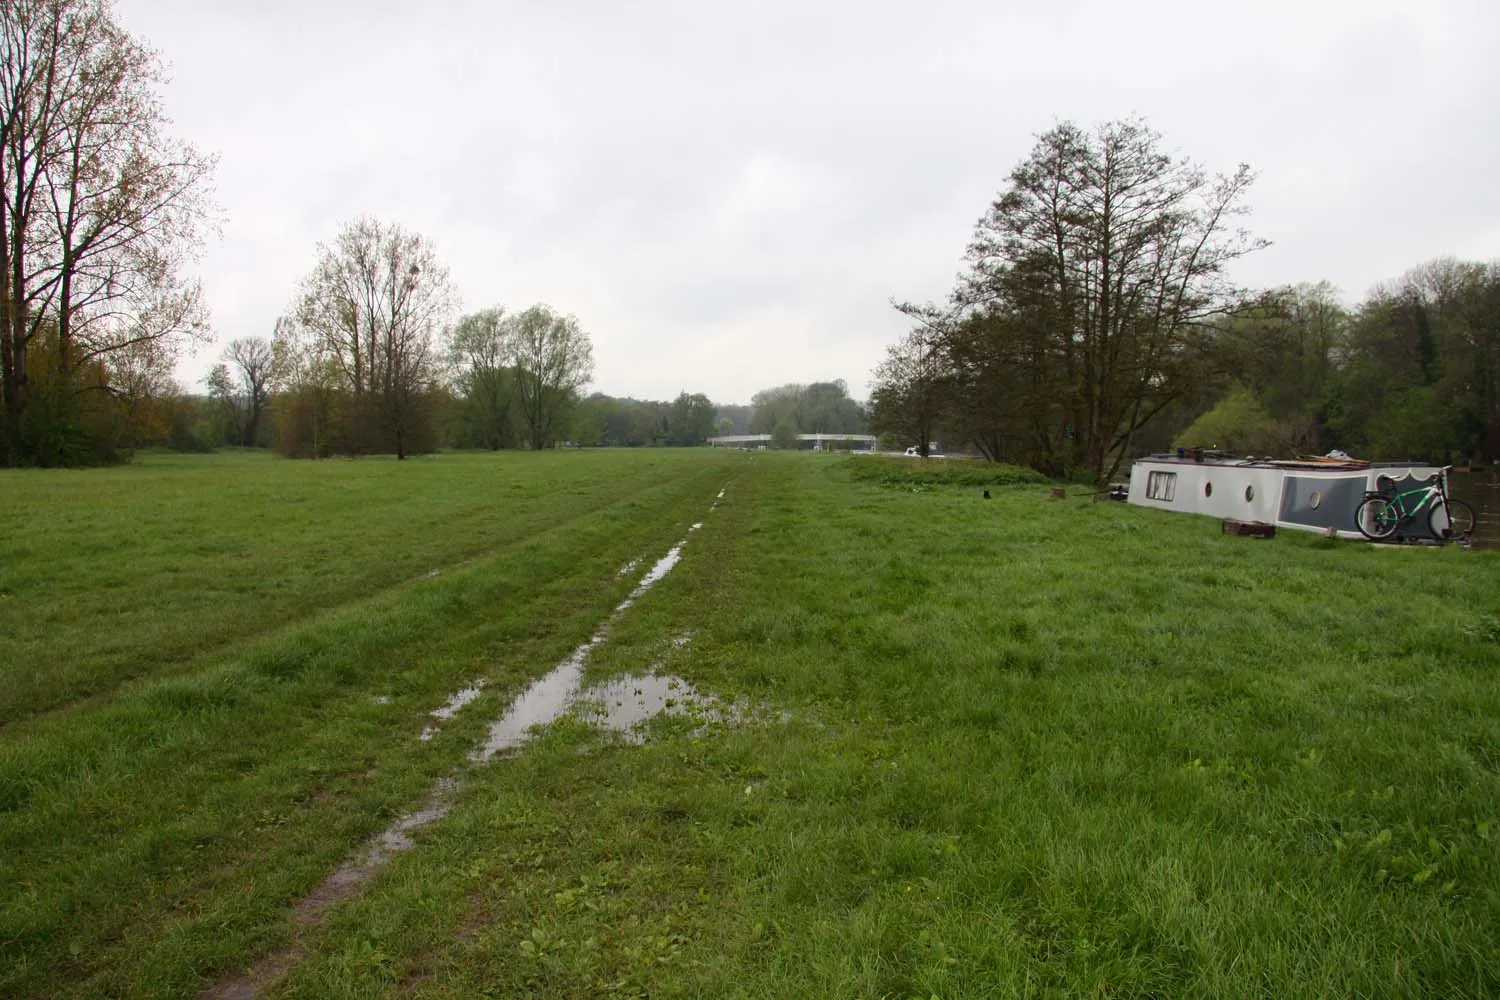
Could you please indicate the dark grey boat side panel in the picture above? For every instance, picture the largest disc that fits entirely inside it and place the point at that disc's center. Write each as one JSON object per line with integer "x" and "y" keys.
{"x": 1322, "y": 501}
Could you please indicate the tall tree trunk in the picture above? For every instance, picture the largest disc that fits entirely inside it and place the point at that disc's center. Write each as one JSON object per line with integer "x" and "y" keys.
{"x": 16, "y": 335}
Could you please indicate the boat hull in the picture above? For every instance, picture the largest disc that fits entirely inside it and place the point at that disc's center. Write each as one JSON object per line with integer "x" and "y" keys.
{"x": 1288, "y": 495}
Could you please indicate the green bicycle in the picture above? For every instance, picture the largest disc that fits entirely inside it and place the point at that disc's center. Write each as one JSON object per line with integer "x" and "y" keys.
{"x": 1379, "y": 514}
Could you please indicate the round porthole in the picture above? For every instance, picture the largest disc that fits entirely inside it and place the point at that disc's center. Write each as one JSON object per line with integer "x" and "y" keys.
{"x": 1315, "y": 499}
{"x": 1249, "y": 493}
{"x": 1208, "y": 489}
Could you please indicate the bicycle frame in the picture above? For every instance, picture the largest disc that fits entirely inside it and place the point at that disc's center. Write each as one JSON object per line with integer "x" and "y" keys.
{"x": 1431, "y": 495}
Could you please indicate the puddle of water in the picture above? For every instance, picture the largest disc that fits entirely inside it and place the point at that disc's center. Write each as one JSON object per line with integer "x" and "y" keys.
{"x": 653, "y": 576}
{"x": 460, "y": 698}
{"x": 451, "y": 707}
{"x": 628, "y": 568}
{"x": 397, "y": 837}
{"x": 538, "y": 705}
{"x": 623, "y": 704}
{"x": 547, "y": 699}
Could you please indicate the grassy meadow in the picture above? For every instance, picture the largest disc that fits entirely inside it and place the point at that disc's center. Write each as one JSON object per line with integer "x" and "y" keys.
{"x": 1016, "y": 747}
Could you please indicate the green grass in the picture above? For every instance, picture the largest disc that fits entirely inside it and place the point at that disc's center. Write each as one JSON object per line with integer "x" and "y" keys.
{"x": 1017, "y": 747}
{"x": 920, "y": 472}
{"x": 127, "y": 572}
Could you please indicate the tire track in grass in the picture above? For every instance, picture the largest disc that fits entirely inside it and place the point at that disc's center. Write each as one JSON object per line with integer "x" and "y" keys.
{"x": 113, "y": 685}
{"x": 540, "y": 704}
{"x": 193, "y": 797}
{"x": 231, "y": 646}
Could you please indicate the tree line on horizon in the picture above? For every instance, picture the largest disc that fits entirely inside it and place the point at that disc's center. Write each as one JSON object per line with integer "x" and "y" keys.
{"x": 1095, "y": 322}
{"x": 254, "y": 401}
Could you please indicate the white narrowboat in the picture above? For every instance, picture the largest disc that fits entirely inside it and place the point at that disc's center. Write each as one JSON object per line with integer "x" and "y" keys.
{"x": 1313, "y": 494}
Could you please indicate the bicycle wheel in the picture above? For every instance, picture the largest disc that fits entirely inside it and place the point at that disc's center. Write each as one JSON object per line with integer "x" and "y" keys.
{"x": 1377, "y": 518}
{"x": 1456, "y": 521}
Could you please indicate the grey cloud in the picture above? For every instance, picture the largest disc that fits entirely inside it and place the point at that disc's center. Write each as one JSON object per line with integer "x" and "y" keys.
{"x": 727, "y": 194}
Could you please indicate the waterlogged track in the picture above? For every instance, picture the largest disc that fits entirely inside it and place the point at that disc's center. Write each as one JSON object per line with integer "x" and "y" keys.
{"x": 549, "y": 697}
{"x": 541, "y": 703}
{"x": 197, "y": 568}
{"x": 188, "y": 814}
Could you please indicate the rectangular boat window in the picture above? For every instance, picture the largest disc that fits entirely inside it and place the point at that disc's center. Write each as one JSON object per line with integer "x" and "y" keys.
{"x": 1161, "y": 486}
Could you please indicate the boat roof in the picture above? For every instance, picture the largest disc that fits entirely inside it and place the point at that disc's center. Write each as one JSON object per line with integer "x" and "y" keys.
{"x": 1200, "y": 457}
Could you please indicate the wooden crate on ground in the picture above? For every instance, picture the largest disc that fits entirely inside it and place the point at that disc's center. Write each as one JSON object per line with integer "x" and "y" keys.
{"x": 1253, "y": 529}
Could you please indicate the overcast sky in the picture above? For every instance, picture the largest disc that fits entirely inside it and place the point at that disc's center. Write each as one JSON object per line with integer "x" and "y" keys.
{"x": 727, "y": 195}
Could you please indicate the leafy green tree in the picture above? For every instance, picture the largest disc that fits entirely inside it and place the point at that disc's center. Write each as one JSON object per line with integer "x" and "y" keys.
{"x": 733, "y": 419}
{"x": 1419, "y": 373}
{"x": 485, "y": 379}
{"x": 1238, "y": 423}
{"x": 821, "y": 407}
{"x": 691, "y": 420}
{"x": 784, "y": 435}
{"x": 826, "y": 408}
{"x": 220, "y": 385}
{"x": 308, "y": 401}
{"x": 554, "y": 359}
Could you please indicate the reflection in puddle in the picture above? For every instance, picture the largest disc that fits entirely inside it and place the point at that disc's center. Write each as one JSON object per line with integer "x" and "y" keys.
{"x": 653, "y": 576}
{"x": 623, "y": 704}
{"x": 451, "y": 707}
{"x": 538, "y": 705}
{"x": 460, "y": 698}
{"x": 549, "y": 697}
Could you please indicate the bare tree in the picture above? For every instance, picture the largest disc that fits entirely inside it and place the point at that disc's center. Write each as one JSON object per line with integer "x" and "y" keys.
{"x": 372, "y": 306}
{"x": 912, "y": 383}
{"x": 99, "y": 208}
{"x": 1124, "y": 252}
{"x": 305, "y": 383}
{"x": 142, "y": 387}
{"x": 553, "y": 359}
{"x": 249, "y": 362}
